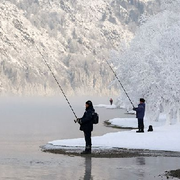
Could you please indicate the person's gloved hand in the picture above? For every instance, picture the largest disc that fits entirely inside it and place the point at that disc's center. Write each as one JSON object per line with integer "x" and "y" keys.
{"x": 79, "y": 120}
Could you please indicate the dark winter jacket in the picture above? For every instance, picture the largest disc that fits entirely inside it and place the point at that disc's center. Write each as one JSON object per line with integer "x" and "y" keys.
{"x": 140, "y": 111}
{"x": 87, "y": 120}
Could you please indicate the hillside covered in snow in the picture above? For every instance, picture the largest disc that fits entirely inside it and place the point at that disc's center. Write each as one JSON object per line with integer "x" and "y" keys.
{"x": 73, "y": 36}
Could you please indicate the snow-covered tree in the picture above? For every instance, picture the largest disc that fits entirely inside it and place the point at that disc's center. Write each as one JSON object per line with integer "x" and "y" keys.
{"x": 150, "y": 66}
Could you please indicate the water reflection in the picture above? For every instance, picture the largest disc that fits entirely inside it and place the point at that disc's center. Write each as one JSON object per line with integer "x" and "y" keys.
{"x": 88, "y": 167}
{"x": 140, "y": 161}
{"x": 32, "y": 123}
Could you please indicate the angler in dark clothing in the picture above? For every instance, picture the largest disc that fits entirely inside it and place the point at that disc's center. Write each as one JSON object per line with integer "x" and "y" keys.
{"x": 111, "y": 101}
{"x": 140, "y": 111}
{"x": 86, "y": 125}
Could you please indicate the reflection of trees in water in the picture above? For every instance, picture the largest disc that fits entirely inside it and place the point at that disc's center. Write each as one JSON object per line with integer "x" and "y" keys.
{"x": 88, "y": 166}
{"x": 140, "y": 161}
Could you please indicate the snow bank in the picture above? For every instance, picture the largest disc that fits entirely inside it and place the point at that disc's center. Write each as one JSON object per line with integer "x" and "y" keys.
{"x": 113, "y": 106}
{"x": 131, "y": 112}
{"x": 124, "y": 122}
{"x": 162, "y": 138}
{"x": 132, "y": 122}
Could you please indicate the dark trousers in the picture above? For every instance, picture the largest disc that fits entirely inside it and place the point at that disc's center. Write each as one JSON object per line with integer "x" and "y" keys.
{"x": 141, "y": 124}
{"x": 87, "y": 136}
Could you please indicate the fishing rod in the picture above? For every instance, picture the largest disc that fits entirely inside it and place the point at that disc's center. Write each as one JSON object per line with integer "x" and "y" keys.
{"x": 119, "y": 82}
{"x": 60, "y": 87}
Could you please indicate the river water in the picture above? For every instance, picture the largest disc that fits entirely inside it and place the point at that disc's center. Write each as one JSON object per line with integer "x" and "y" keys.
{"x": 27, "y": 123}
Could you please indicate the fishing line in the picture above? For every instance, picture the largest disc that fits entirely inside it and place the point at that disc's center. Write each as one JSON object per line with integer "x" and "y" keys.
{"x": 60, "y": 87}
{"x": 119, "y": 82}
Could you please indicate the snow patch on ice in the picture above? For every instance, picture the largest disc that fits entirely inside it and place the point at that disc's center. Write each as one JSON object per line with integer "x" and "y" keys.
{"x": 113, "y": 106}
{"x": 124, "y": 122}
{"x": 132, "y": 122}
{"x": 131, "y": 112}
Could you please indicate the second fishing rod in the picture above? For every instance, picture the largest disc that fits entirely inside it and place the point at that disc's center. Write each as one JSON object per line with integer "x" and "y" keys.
{"x": 116, "y": 76}
{"x": 64, "y": 92}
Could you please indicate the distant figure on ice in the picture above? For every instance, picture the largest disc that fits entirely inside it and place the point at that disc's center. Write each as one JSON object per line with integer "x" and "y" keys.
{"x": 111, "y": 101}
{"x": 140, "y": 111}
{"x": 86, "y": 125}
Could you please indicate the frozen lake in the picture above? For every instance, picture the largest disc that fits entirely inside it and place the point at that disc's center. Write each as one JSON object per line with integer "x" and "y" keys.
{"x": 29, "y": 123}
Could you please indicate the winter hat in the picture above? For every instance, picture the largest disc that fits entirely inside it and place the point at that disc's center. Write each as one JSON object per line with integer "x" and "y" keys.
{"x": 89, "y": 103}
{"x": 142, "y": 100}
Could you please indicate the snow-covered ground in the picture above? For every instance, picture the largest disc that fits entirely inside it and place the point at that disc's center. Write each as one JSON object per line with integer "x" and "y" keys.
{"x": 113, "y": 106}
{"x": 124, "y": 122}
{"x": 132, "y": 122}
{"x": 131, "y": 112}
{"x": 164, "y": 137}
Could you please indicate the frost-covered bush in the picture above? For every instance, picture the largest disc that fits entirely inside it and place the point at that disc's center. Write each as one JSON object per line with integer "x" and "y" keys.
{"x": 150, "y": 66}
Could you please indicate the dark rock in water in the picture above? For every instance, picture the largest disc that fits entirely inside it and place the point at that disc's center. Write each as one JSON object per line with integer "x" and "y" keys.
{"x": 174, "y": 173}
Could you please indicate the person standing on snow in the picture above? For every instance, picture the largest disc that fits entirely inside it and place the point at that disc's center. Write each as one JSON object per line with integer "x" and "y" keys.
{"x": 86, "y": 125}
{"x": 111, "y": 101}
{"x": 140, "y": 112}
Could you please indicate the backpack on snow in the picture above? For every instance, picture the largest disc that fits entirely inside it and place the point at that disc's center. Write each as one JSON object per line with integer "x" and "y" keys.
{"x": 95, "y": 118}
{"x": 150, "y": 128}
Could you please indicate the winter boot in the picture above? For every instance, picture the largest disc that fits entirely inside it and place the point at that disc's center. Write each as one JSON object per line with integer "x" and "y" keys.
{"x": 140, "y": 131}
{"x": 87, "y": 150}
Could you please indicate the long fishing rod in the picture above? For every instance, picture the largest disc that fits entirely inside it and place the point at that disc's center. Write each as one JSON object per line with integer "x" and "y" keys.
{"x": 57, "y": 82}
{"x": 119, "y": 82}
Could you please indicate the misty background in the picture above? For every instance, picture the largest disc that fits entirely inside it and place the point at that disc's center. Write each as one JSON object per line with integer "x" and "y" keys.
{"x": 73, "y": 36}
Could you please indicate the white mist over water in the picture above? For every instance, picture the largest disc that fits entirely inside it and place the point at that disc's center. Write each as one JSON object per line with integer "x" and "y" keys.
{"x": 27, "y": 123}
{"x": 39, "y": 120}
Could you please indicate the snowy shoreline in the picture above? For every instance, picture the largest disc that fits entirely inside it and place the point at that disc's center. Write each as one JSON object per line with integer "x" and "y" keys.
{"x": 163, "y": 138}
{"x": 108, "y": 153}
{"x": 123, "y": 123}
{"x": 113, "y": 106}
